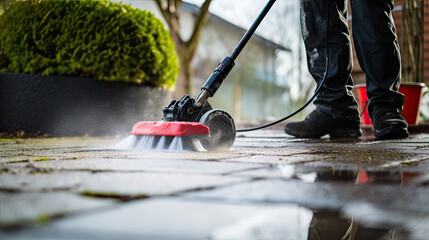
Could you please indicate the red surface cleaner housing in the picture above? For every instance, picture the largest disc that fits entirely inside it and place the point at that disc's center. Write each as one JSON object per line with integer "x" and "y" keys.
{"x": 170, "y": 128}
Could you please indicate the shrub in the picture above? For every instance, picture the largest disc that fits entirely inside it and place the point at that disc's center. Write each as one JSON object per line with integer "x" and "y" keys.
{"x": 87, "y": 38}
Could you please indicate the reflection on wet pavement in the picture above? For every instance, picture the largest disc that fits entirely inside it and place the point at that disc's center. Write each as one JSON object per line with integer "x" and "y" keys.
{"x": 327, "y": 224}
{"x": 346, "y": 203}
{"x": 309, "y": 174}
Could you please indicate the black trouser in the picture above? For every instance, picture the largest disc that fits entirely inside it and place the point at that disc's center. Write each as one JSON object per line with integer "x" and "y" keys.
{"x": 377, "y": 49}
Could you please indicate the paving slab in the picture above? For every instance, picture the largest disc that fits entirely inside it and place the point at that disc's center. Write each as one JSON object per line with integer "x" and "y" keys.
{"x": 363, "y": 152}
{"x": 150, "y": 184}
{"x": 293, "y": 158}
{"x": 32, "y": 150}
{"x": 18, "y": 209}
{"x": 328, "y": 194}
{"x": 40, "y": 180}
{"x": 55, "y": 143}
{"x": 34, "y": 155}
{"x": 140, "y": 165}
{"x": 178, "y": 219}
{"x": 123, "y": 185}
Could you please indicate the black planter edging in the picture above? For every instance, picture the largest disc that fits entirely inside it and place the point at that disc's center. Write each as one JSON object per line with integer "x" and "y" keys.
{"x": 71, "y": 106}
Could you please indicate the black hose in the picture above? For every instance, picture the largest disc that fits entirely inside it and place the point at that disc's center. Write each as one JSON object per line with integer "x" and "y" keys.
{"x": 322, "y": 83}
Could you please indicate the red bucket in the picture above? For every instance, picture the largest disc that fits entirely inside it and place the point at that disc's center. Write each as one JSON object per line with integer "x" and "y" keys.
{"x": 413, "y": 94}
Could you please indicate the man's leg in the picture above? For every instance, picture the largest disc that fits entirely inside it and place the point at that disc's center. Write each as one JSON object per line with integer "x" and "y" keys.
{"x": 377, "y": 49}
{"x": 336, "y": 109}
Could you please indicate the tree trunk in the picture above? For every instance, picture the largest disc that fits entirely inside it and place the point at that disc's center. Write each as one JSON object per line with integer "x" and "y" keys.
{"x": 412, "y": 40}
{"x": 184, "y": 80}
{"x": 186, "y": 49}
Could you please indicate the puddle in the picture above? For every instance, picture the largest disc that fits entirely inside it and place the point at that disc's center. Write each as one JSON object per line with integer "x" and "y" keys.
{"x": 299, "y": 223}
{"x": 362, "y": 220}
{"x": 307, "y": 174}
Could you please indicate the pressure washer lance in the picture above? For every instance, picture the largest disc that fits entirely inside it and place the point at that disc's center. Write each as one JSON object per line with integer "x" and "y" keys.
{"x": 190, "y": 124}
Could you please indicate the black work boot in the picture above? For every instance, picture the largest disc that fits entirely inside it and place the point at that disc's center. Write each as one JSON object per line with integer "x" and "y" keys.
{"x": 318, "y": 123}
{"x": 390, "y": 125}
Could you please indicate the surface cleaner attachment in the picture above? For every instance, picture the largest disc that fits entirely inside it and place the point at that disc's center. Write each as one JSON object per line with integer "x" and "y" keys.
{"x": 186, "y": 126}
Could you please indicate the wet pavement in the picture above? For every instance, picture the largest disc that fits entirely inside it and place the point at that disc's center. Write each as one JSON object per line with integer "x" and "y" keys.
{"x": 268, "y": 186}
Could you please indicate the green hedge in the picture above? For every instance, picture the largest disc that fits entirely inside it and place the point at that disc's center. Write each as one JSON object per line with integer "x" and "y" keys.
{"x": 87, "y": 38}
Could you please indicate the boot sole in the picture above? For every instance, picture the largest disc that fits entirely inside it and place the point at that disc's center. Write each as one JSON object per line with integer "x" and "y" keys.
{"x": 336, "y": 133}
{"x": 345, "y": 133}
{"x": 392, "y": 132}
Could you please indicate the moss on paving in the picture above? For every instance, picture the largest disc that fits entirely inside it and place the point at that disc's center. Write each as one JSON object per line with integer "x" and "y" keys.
{"x": 39, "y": 159}
{"x": 123, "y": 197}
